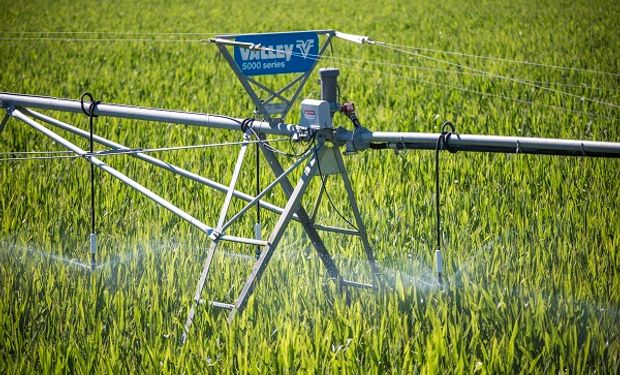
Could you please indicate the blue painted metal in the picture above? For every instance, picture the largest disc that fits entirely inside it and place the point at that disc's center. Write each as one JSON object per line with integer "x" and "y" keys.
{"x": 277, "y": 53}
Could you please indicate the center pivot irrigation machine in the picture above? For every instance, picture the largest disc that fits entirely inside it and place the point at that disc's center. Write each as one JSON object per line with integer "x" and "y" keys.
{"x": 295, "y": 54}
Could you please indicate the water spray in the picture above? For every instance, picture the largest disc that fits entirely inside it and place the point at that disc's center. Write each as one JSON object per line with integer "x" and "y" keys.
{"x": 251, "y": 55}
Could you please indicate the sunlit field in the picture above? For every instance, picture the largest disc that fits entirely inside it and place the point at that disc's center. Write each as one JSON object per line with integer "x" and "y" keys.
{"x": 531, "y": 243}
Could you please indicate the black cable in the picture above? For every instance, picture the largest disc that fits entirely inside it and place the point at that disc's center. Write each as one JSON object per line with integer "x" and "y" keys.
{"x": 246, "y": 125}
{"x": 324, "y": 189}
{"x": 444, "y": 138}
{"x": 299, "y": 154}
{"x": 227, "y": 118}
{"x": 257, "y": 182}
{"x": 378, "y": 146}
{"x": 257, "y": 193}
{"x": 91, "y": 115}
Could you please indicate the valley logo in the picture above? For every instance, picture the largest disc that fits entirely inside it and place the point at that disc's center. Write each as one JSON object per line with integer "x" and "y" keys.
{"x": 305, "y": 46}
{"x": 280, "y": 53}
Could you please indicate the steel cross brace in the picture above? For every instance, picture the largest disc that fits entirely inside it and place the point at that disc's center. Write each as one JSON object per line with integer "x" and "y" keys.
{"x": 293, "y": 206}
{"x": 293, "y": 210}
{"x": 214, "y": 244}
{"x": 282, "y": 179}
{"x": 308, "y": 222}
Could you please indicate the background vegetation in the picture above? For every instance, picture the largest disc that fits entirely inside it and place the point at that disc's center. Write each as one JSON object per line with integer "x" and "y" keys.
{"x": 531, "y": 242}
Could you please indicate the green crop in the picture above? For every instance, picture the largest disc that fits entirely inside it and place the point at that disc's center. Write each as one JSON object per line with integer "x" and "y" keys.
{"x": 531, "y": 243}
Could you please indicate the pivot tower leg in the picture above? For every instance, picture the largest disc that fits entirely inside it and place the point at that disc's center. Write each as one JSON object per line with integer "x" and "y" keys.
{"x": 213, "y": 246}
{"x": 276, "y": 235}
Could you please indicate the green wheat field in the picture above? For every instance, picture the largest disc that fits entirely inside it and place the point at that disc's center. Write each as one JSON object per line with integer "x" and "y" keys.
{"x": 531, "y": 243}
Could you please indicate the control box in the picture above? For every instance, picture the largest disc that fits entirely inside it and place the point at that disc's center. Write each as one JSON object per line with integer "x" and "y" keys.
{"x": 315, "y": 113}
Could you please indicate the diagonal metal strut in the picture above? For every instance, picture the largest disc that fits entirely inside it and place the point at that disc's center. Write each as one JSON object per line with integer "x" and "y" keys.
{"x": 275, "y": 236}
{"x": 214, "y": 245}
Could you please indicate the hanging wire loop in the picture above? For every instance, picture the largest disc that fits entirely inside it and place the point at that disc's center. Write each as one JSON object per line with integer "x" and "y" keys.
{"x": 444, "y": 138}
{"x": 91, "y": 115}
{"x": 93, "y": 104}
{"x": 443, "y": 142}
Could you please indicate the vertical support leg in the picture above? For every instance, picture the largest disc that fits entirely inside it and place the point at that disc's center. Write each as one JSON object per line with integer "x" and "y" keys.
{"x": 5, "y": 119}
{"x": 275, "y": 236}
{"x": 199, "y": 287}
{"x": 304, "y": 219}
{"x": 222, "y": 219}
{"x": 358, "y": 217}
